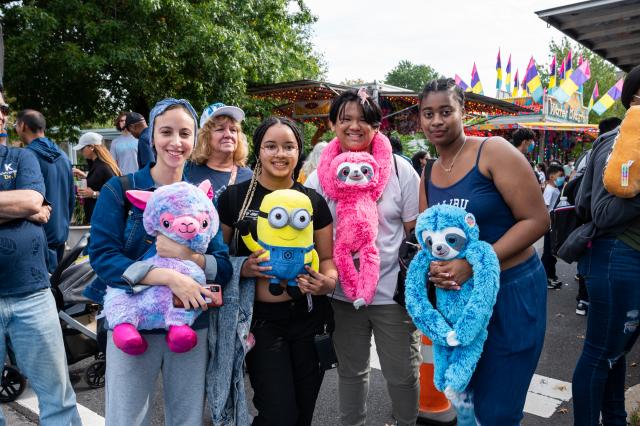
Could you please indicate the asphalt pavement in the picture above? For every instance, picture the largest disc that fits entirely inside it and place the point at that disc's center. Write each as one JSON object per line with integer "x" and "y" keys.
{"x": 562, "y": 347}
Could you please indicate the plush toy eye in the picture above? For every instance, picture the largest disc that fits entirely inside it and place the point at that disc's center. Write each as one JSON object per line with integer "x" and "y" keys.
{"x": 205, "y": 223}
{"x": 301, "y": 219}
{"x": 429, "y": 241}
{"x": 345, "y": 171}
{"x": 166, "y": 224}
{"x": 278, "y": 217}
{"x": 366, "y": 170}
{"x": 451, "y": 240}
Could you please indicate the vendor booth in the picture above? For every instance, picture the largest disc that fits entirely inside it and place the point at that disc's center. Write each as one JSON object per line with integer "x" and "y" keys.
{"x": 309, "y": 101}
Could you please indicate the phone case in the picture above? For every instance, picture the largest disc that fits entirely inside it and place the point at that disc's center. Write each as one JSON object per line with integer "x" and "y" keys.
{"x": 212, "y": 303}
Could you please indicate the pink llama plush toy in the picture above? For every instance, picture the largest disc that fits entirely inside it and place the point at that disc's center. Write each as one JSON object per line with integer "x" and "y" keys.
{"x": 185, "y": 214}
{"x": 356, "y": 180}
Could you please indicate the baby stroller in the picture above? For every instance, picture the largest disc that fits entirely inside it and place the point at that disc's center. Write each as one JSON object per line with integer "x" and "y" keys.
{"x": 83, "y": 336}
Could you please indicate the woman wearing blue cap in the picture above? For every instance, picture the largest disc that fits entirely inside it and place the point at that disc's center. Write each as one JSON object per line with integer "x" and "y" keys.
{"x": 221, "y": 152}
{"x": 118, "y": 241}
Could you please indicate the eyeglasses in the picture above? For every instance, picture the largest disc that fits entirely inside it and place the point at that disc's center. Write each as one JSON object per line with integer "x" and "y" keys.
{"x": 272, "y": 149}
{"x": 4, "y": 109}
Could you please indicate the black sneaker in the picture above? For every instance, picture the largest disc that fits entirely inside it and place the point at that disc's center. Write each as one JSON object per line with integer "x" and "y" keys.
{"x": 554, "y": 284}
{"x": 582, "y": 308}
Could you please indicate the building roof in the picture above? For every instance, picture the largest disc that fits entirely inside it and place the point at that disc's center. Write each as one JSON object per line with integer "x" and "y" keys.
{"x": 610, "y": 28}
{"x": 307, "y": 90}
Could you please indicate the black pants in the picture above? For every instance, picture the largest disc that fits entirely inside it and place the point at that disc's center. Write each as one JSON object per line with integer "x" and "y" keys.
{"x": 283, "y": 365}
{"x": 548, "y": 259}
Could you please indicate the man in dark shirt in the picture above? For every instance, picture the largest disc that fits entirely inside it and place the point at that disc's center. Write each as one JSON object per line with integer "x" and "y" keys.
{"x": 28, "y": 314}
{"x": 58, "y": 180}
{"x": 137, "y": 126}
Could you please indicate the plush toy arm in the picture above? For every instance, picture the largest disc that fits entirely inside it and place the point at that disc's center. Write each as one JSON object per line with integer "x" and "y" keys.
{"x": 486, "y": 282}
{"x": 315, "y": 260}
{"x": 252, "y": 244}
{"x": 428, "y": 319}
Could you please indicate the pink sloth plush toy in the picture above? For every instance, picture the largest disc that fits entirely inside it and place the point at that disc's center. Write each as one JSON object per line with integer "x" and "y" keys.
{"x": 356, "y": 180}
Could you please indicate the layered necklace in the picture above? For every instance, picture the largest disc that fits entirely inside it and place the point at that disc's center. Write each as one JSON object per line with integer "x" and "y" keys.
{"x": 455, "y": 157}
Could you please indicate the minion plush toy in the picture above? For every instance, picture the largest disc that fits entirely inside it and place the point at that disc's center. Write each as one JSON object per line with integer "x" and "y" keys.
{"x": 285, "y": 231}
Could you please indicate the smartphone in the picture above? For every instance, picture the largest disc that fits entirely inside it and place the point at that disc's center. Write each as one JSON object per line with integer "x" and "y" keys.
{"x": 213, "y": 302}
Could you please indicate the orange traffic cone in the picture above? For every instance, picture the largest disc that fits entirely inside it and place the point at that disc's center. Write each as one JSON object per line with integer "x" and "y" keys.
{"x": 434, "y": 407}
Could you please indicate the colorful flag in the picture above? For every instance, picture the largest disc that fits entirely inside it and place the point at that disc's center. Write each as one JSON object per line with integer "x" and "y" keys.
{"x": 568, "y": 68}
{"x": 594, "y": 95}
{"x": 552, "y": 73}
{"x": 580, "y": 61}
{"x": 464, "y": 86}
{"x": 508, "y": 80}
{"x": 499, "y": 72}
{"x": 516, "y": 86}
{"x": 572, "y": 83}
{"x": 476, "y": 85}
{"x": 561, "y": 71}
{"x": 605, "y": 102}
{"x": 523, "y": 86}
{"x": 532, "y": 80}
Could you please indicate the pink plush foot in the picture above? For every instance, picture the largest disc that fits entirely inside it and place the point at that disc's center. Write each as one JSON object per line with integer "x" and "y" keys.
{"x": 181, "y": 338}
{"x": 127, "y": 339}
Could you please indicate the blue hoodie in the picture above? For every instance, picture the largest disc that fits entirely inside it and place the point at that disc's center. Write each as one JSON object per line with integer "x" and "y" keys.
{"x": 58, "y": 180}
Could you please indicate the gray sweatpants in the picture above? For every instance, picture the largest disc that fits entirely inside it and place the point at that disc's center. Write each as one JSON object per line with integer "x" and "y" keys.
{"x": 131, "y": 381}
{"x": 398, "y": 345}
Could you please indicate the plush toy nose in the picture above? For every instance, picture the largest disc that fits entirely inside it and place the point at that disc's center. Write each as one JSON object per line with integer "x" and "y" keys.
{"x": 186, "y": 226}
{"x": 439, "y": 247}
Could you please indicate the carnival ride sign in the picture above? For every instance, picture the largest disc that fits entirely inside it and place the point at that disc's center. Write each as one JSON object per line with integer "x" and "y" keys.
{"x": 572, "y": 111}
{"x": 313, "y": 108}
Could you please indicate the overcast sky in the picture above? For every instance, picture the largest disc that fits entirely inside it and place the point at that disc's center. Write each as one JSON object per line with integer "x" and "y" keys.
{"x": 367, "y": 38}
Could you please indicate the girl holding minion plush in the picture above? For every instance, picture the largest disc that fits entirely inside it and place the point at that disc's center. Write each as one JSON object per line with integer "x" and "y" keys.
{"x": 294, "y": 228}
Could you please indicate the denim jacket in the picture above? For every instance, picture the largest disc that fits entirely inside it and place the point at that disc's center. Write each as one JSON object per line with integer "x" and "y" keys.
{"x": 118, "y": 242}
{"x": 228, "y": 332}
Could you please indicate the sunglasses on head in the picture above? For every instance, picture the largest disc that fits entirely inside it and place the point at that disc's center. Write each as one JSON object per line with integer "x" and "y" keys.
{"x": 4, "y": 108}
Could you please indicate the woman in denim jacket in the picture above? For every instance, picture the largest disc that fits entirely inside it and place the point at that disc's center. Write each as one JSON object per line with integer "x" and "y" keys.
{"x": 118, "y": 242}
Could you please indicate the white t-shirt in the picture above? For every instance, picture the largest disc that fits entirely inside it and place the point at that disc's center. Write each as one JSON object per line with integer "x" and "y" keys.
{"x": 550, "y": 195}
{"x": 398, "y": 204}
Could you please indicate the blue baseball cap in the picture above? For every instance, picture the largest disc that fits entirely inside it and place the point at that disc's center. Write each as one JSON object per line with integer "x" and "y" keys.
{"x": 219, "y": 108}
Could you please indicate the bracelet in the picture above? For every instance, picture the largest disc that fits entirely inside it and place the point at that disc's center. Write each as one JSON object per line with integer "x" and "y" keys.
{"x": 95, "y": 195}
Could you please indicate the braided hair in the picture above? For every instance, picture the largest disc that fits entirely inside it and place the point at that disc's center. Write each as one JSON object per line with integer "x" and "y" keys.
{"x": 443, "y": 85}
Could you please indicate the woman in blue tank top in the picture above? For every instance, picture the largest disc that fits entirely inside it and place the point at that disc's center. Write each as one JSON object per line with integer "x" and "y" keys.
{"x": 491, "y": 179}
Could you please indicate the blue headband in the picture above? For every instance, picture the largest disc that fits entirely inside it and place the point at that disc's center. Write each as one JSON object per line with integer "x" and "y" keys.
{"x": 162, "y": 106}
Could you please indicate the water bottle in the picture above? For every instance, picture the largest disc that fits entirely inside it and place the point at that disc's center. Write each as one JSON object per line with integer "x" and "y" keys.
{"x": 563, "y": 202}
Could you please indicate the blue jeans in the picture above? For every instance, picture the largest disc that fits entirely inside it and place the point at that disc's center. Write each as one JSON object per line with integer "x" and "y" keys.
{"x": 31, "y": 324}
{"x": 498, "y": 388}
{"x": 612, "y": 271}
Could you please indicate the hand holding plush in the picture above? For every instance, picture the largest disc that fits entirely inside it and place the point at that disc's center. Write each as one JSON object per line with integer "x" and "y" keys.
{"x": 356, "y": 180}
{"x": 458, "y": 324}
{"x": 185, "y": 214}
{"x": 622, "y": 171}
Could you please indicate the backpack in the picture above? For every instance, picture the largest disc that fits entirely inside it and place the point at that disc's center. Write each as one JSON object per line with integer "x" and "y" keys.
{"x": 564, "y": 219}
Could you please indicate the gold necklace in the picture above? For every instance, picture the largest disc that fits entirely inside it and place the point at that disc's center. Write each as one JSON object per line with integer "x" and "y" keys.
{"x": 455, "y": 157}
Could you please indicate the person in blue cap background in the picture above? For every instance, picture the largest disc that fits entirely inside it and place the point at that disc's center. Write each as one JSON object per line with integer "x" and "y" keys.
{"x": 118, "y": 241}
{"x": 221, "y": 153}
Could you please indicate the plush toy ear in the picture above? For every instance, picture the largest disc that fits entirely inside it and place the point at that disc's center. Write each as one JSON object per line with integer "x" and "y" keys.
{"x": 470, "y": 220}
{"x": 139, "y": 198}
{"x": 205, "y": 186}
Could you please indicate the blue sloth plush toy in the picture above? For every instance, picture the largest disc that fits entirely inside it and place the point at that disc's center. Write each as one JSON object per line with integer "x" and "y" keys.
{"x": 458, "y": 325}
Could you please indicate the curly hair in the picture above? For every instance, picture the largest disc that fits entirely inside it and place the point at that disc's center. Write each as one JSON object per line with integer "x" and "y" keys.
{"x": 203, "y": 150}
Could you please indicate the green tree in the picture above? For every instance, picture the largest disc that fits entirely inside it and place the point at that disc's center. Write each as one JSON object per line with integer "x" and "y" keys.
{"x": 82, "y": 61}
{"x": 411, "y": 76}
{"x": 602, "y": 72}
